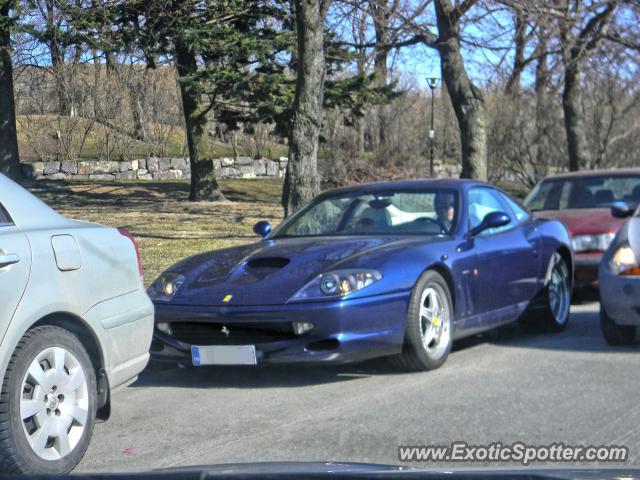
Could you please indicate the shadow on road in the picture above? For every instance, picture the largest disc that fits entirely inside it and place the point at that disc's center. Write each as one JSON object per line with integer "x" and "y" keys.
{"x": 582, "y": 334}
{"x": 266, "y": 376}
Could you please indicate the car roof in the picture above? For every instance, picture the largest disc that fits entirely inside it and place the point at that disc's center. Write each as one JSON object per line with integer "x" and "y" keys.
{"x": 418, "y": 184}
{"x": 611, "y": 172}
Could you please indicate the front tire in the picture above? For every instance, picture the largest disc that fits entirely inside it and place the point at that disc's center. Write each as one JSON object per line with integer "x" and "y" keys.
{"x": 616, "y": 334}
{"x": 429, "y": 328}
{"x": 47, "y": 405}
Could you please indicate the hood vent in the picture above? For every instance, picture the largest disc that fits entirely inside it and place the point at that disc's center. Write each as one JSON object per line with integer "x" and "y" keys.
{"x": 258, "y": 269}
{"x": 267, "y": 263}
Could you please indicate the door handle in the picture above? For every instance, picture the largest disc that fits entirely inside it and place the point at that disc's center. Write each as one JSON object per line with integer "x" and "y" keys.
{"x": 8, "y": 259}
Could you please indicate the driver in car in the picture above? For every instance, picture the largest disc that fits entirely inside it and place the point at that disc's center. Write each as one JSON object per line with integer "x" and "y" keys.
{"x": 445, "y": 210}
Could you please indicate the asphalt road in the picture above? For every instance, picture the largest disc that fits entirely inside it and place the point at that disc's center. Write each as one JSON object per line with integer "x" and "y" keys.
{"x": 505, "y": 386}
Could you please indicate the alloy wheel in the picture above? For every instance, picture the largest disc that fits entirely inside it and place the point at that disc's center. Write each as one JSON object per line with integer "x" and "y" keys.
{"x": 435, "y": 322}
{"x": 54, "y": 406}
{"x": 559, "y": 292}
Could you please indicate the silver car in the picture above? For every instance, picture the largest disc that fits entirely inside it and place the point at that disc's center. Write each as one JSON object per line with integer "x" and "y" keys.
{"x": 619, "y": 278}
{"x": 75, "y": 325}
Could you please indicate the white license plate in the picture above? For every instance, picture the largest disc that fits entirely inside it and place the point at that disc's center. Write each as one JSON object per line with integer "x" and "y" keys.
{"x": 224, "y": 355}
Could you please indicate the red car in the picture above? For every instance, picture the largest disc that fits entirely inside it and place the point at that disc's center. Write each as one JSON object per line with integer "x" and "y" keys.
{"x": 582, "y": 201}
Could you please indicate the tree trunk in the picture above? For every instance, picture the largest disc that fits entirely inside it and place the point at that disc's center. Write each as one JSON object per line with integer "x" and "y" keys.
{"x": 137, "y": 96}
{"x": 466, "y": 98}
{"x": 513, "y": 83}
{"x": 204, "y": 186}
{"x": 381, "y": 71}
{"x": 360, "y": 29}
{"x": 56, "y": 55}
{"x": 139, "y": 128}
{"x": 302, "y": 182}
{"x": 9, "y": 157}
{"x": 542, "y": 107}
{"x": 579, "y": 154}
{"x": 60, "y": 80}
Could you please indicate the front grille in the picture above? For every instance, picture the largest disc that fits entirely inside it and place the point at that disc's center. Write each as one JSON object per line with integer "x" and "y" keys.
{"x": 198, "y": 333}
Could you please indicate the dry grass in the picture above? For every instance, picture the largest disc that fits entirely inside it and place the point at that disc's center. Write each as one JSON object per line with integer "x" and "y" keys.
{"x": 166, "y": 226}
{"x": 37, "y": 138}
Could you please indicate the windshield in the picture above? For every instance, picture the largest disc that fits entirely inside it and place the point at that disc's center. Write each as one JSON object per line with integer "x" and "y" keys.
{"x": 584, "y": 192}
{"x": 432, "y": 212}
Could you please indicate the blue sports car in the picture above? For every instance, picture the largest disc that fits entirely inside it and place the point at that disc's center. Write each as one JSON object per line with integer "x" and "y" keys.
{"x": 387, "y": 269}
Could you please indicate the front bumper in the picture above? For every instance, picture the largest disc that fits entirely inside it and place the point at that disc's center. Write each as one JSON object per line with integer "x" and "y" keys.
{"x": 344, "y": 331}
{"x": 620, "y": 297}
{"x": 586, "y": 268}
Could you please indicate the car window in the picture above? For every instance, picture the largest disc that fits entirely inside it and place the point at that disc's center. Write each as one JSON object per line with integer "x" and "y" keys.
{"x": 548, "y": 195}
{"x": 519, "y": 212}
{"x": 585, "y": 192}
{"x": 429, "y": 212}
{"x": 483, "y": 201}
{"x": 5, "y": 219}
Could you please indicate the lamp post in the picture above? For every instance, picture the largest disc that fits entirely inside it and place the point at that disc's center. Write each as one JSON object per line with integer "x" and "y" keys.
{"x": 433, "y": 83}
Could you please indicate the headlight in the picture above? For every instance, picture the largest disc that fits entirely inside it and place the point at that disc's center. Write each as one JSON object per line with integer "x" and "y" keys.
{"x": 337, "y": 284}
{"x": 590, "y": 243}
{"x": 166, "y": 287}
{"x": 624, "y": 261}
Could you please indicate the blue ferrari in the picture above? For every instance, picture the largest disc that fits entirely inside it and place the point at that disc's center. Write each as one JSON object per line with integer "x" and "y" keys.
{"x": 398, "y": 269}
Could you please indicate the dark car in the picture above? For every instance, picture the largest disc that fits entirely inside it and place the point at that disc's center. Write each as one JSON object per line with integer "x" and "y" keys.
{"x": 388, "y": 269}
{"x": 582, "y": 201}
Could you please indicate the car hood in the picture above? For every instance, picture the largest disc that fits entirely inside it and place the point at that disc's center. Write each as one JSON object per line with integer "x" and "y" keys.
{"x": 270, "y": 272}
{"x": 584, "y": 221}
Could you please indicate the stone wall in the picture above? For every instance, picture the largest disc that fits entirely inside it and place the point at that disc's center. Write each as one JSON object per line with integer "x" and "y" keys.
{"x": 152, "y": 169}
{"x": 443, "y": 170}
{"x": 172, "y": 169}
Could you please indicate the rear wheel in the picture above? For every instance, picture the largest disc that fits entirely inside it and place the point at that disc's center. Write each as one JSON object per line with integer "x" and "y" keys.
{"x": 616, "y": 334}
{"x": 429, "y": 329}
{"x": 48, "y": 404}
{"x": 550, "y": 311}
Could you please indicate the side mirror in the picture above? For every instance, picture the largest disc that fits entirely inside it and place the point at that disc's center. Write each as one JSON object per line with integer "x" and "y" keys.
{"x": 621, "y": 210}
{"x": 491, "y": 220}
{"x": 262, "y": 228}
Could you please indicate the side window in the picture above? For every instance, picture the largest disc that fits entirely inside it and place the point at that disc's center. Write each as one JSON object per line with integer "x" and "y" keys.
{"x": 5, "y": 219}
{"x": 519, "y": 212}
{"x": 483, "y": 201}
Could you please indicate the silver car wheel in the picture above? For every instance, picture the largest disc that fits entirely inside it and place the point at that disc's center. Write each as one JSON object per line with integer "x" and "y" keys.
{"x": 559, "y": 291}
{"x": 54, "y": 406}
{"x": 435, "y": 322}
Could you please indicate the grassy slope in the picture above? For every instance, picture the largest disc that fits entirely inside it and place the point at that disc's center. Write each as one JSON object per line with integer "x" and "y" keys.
{"x": 42, "y": 130}
{"x": 166, "y": 226}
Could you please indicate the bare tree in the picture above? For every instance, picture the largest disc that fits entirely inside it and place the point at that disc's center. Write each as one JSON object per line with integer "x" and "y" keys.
{"x": 46, "y": 22}
{"x": 382, "y": 13}
{"x": 467, "y": 99}
{"x": 577, "y": 39}
{"x": 523, "y": 33}
{"x": 302, "y": 181}
{"x": 9, "y": 158}
{"x": 359, "y": 31}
